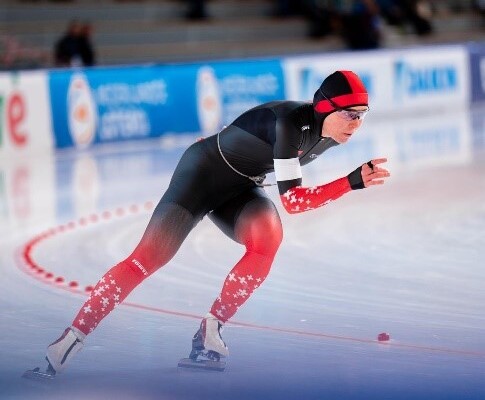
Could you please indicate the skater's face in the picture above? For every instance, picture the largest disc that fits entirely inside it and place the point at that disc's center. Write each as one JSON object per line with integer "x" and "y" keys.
{"x": 340, "y": 126}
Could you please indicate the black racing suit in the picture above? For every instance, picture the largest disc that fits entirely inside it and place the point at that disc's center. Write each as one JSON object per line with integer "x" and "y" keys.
{"x": 203, "y": 180}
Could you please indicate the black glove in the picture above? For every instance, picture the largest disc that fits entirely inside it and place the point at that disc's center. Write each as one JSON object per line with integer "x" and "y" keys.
{"x": 355, "y": 177}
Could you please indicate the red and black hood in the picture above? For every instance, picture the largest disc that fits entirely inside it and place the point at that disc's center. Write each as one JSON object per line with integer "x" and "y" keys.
{"x": 344, "y": 89}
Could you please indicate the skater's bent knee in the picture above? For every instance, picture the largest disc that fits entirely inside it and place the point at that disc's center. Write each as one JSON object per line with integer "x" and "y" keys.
{"x": 263, "y": 237}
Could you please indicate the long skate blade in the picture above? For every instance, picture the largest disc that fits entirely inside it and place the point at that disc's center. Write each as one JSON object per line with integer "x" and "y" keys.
{"x": 202, "y": 364}
{"x": 37, "y": 374}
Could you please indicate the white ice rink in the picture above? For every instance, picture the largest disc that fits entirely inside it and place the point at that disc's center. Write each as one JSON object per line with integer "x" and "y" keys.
{"x": 406, "y": 258}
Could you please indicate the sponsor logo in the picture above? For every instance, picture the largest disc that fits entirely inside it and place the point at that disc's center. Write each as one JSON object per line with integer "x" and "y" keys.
{"x": 127, "y": 109}
{"x": 81, "y": 111}
{"x": 13, "y": 115}
{"x": 209, "y": 103}
{"x": 140, "y": 266}
{"x": 414, "y": 81}
{"x": 305, "y": 128}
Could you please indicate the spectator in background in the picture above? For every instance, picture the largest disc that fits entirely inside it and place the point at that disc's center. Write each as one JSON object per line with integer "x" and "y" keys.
{"x": 322, "y": 16}
{"x": 416, "y": 13}
{"x": 196, "y": 10}
{"x": 480, "y": 6}
{"x": 360, "y": 24}
{"x": 287, "y": 8}
{"x": 88, "y": 55}
{"x": 357, "y": 21}
{"x": 74, "y": 49}
{"x": 67, "y": 50}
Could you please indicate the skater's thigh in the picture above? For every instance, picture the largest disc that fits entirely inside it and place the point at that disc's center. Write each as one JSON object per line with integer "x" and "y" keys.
{"x": 249, "y": 217}
{"x": 168, "y": 227}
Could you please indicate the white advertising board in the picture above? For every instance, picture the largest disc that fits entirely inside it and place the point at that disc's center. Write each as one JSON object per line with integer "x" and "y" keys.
{"x": 416, "y": 79}
{"x": 25, "y": 117}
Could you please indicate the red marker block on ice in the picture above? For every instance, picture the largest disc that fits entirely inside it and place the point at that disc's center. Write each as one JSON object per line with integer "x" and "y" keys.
{"x": 383, "y": 337}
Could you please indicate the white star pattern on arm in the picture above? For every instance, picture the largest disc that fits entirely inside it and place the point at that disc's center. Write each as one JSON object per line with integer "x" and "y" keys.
{"x": 299, "y": 199}
{"x": 288, "y": 194}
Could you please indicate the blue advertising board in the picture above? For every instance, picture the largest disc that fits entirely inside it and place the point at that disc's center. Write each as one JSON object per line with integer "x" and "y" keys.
{"x": 103, "y": 105}
{"x": 227, "y": 89}
{"x": 115, "y": 104}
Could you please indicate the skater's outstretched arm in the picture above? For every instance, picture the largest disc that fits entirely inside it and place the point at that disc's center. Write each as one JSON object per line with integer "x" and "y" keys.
{"x": 297, "y": 199}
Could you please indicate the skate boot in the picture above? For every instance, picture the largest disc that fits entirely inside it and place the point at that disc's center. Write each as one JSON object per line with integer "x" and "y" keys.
{"x": 207, "y": 346}
{"x": 58, "y": 354}
{"x": 64, "y": 348}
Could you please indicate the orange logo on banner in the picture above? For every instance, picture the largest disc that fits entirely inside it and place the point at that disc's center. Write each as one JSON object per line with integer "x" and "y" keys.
{"x": 82, "y": 113}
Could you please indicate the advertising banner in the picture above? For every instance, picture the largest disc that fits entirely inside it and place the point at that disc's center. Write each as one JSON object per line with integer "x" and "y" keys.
{"x": 397, "y": 81}
{"x": 25, "y": 125}
{"x": 227, "y": 89}
{"x": 477, "y": 72}
{"x": 115, "y": 104}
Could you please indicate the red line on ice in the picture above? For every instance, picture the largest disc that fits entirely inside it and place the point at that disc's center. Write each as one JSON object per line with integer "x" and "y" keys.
{"x": 27, "y": 264}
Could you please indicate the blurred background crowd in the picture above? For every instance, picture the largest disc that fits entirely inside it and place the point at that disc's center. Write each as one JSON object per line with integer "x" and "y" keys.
{"x": 76, "y": 33}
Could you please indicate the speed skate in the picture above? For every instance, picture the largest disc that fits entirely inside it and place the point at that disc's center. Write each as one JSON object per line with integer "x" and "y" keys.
{"x": 208, "y": 348}
{"x": 37, "y": 374}
{"x": 58, "y": 354}
{"x": 200, "y": 360}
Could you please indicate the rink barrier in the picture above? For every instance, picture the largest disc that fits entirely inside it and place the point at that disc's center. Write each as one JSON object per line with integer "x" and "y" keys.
{"x": 105, "y": 105}
{"x": 26, "y": 263}
{"x": 81, "y": 108}
{"x": 477, "y": 71}
{"x": 25, "y": 122}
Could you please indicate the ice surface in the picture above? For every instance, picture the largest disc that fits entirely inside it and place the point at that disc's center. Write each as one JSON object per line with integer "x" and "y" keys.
{"x": 405, "y": 258}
